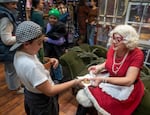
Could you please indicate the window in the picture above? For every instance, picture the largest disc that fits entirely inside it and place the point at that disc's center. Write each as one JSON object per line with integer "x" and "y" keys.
{"x": 138, "y": 15}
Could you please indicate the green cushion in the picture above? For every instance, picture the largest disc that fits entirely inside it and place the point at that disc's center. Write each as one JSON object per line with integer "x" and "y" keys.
{"x": 83, "y": 72}
{"x": 74, "y": 63}
{"x": 101, "y": 51}
{"x": 85, "y": 47}
{"x": 143, "y": 108}
{"x": 146, "y": 81}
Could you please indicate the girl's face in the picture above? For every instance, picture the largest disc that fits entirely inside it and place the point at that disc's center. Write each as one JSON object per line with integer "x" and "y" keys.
{"x": 52, "y": 19}
{"x": 62, "y": 8}
{"x": 93, "y": 3}
{"x": 41, "y": 4}
{"x": 34, "y": 46}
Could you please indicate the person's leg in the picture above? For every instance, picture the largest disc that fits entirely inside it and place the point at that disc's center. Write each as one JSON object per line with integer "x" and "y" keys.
{"x": 26, "y": 107}
{"x": 40, "y": 104}
{"x": 47, "y": 49}
{"x": 12, "y": 79}
{"x": 82, "y": 39}
{"x": 57, "y": 73}
{"x": 81, "y": 110}
{"x": 88, "y": 32}
{"x": 92, "y": 35}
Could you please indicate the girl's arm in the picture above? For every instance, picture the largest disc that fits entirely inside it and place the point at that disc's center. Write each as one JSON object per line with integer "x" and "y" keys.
{"x": 56, "y": 42}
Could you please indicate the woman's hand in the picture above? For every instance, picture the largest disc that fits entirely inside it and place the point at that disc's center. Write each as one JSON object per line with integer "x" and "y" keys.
{"x": 96, "y": 81}
{"x": 96, "y": 68}
{"x": 93, "y": 69}
{"x": 86, "y": 20}
{"x": 93, "y": 23}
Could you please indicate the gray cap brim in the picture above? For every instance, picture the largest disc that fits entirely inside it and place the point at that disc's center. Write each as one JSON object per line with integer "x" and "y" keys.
{"x": 15, "y": 46}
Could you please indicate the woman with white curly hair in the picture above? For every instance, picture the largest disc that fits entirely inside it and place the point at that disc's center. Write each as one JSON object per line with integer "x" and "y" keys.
{"x": 121, "y": 91}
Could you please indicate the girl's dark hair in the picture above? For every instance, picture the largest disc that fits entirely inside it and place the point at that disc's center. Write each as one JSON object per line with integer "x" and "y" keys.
{"x": 35, "y": 3}
{"x": 59, "y": 1}
{"x": 96, "y": 1}
{"x": 82, "y": 2}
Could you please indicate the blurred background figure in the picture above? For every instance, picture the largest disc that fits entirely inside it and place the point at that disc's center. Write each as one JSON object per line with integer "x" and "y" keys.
{"x": 36, "y": 16}
{"x": 21, "y": 8}
{"x": 83, "y": 10}
{"x": 8, "y": 24}
{"x": 28, "y": 8}
{"x": 92, "y": 22}
{"x": 55, "y": 41}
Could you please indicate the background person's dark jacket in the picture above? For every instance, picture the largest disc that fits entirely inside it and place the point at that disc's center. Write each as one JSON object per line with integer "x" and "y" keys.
{"x": 58, "y": 30}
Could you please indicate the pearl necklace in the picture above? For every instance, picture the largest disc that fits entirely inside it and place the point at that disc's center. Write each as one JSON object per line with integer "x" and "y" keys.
{"x": 115, "y": 70}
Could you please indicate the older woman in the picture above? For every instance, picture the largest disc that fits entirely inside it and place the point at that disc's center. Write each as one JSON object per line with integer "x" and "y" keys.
{"x": 8, "y": 26}
{"x": 122, "y": 91}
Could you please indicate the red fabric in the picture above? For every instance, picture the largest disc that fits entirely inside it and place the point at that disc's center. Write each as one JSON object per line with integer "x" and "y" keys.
{"x": 111, "y": 105}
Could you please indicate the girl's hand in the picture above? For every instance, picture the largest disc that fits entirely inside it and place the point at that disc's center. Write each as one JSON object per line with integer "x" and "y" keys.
{"x": 78, "y": 82}
{"x": 45, "y": 39}
{"x": 54, "y": 62}
{"x": 47, "y": 64}
{"x": 93, "y": 23}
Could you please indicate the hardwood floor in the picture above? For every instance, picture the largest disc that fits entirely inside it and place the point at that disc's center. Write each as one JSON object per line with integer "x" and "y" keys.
{"x": 13, "y": 104}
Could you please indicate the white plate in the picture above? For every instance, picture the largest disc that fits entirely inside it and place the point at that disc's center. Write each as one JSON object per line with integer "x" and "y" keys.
{"x": 103, "y": 75}
{"x": 86, "y": 84}
{"x": 83, "y": 77}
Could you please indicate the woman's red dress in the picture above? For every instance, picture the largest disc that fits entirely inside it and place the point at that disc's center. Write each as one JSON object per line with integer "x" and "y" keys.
{"x": 113, "y": 106}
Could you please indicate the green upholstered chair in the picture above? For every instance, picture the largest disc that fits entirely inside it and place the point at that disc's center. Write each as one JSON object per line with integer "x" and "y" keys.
{"x": 73, "y": 64}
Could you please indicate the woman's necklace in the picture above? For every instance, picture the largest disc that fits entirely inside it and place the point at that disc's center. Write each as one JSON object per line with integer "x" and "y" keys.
{"x": 116, "y": 66}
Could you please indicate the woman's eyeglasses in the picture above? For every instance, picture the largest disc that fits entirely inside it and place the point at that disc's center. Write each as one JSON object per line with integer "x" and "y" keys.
{"x": 117, "y": 38}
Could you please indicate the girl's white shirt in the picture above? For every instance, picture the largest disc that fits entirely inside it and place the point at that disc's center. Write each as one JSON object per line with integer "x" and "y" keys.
{"x": 31, "y": 71}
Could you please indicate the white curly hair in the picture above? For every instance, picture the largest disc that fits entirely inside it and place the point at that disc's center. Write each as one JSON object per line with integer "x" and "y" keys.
{"x": 129, "y": 34}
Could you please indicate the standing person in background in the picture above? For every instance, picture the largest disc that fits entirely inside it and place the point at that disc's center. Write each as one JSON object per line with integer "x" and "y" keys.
{"x": 37, "y": 17}
{"x": 60, "y": 5}
{"x": 56, "y": 31}
{"x": 8, "y": 26}
{"x": 39, "y": 87}
{"x": 55, "y": 41}
{"x": 21, "y": 11}
{"x": 37, "y": 13}
{"x": 70, "y": 27}
{"x": 82, "y": 14}
{"x": 91, "y": 22}
{"x": 28, "y": 9}
{"x": 64, "y": 17}
{"x": 122, "y": 90}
